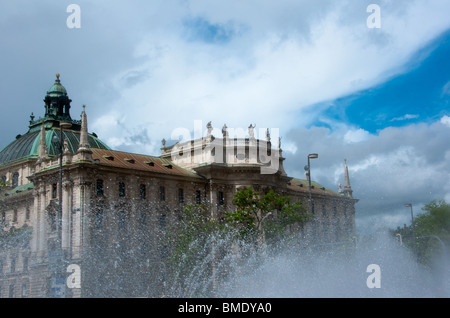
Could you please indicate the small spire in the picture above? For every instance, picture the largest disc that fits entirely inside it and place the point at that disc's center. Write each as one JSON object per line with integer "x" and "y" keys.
{"x": 84, "y": 143}
{"x": 43, "y": 149}
{"x": 347, "y": 187}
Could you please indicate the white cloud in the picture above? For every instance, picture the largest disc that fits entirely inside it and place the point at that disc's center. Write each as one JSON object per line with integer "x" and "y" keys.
{"x": 286, "y": 57}
{"x": 445, "y": 120}
{"x": 357, "y": 135}
{"x": 446, "y": 89}
{"x": 405, "y": 117}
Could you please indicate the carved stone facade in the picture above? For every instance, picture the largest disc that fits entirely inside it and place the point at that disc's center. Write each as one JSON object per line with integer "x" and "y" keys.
{"x": 101, "y": 204}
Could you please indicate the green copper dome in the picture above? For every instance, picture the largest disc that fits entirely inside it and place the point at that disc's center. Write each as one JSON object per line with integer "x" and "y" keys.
{"x": 27, "y": 146}
{"x": 57, "y": 110}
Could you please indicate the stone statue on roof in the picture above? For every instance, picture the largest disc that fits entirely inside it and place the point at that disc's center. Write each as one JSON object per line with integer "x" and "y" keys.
{"x": 225, "y": 131}
{"x": 210, "y": 128}
{"x": 251, "y": 131}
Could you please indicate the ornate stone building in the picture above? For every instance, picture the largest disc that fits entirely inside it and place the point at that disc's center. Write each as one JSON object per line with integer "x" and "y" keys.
{"x": 67, "y": 198}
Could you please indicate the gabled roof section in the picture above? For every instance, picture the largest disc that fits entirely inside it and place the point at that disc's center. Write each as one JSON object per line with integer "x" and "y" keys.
{"x": 118, "y": 159}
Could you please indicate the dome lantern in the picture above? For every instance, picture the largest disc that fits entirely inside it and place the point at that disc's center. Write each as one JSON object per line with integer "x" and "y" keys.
{"x": 57, "y": 102}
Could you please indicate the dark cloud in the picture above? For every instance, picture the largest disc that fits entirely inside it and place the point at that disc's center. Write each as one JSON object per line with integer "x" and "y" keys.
{"x": 396, "y": 166}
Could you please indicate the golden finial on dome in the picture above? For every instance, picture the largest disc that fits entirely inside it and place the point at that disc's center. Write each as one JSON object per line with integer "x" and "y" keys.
{"x": 57, "y": 75}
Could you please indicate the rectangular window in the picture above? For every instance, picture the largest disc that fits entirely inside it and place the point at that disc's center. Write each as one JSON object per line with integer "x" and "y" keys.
{"x": 121, "y": 189}
{"x": 220, "y": 198}
{"x": 162, "y": 193}
{"x": 198, "y": 197}
{"x": 142, "y": 192}
{"x": 180, "y": 196}
{"x": 15, "y": 215}
{"x": 99, "y": 188}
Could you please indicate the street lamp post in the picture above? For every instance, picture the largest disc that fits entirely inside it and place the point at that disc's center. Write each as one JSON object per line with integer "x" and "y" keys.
{"x": 57, "y": 259}
{"x": 62, "y": 125}
{"x": 409, "y": 205}
{"x": 311, "y": 156}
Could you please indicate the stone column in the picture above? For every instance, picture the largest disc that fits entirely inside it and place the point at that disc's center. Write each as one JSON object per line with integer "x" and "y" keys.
{"x": 35, "y": 222}
{"x": 212, "y": 195}
{"x": 66, "y": 210}
{"x": 81, "y": 201}
{"x": 42, "y": 220}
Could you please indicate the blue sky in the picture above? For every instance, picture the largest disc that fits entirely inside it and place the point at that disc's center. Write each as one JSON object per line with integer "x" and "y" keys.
{"x": 412, "y": 97}
{"x": 312, "y": 69}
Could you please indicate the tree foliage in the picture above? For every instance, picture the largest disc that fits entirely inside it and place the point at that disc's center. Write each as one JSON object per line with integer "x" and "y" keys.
{"x": 430, "y": 234}
{"x": 196, "y": 243}
{"x": 267, "y": 214}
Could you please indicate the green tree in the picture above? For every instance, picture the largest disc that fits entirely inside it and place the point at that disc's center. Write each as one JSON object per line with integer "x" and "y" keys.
{"x": 265, "y": 216}
{"x": 197, "y": 245}
{"x": 188, "y": 246}
{"x": 432, "y": 232}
